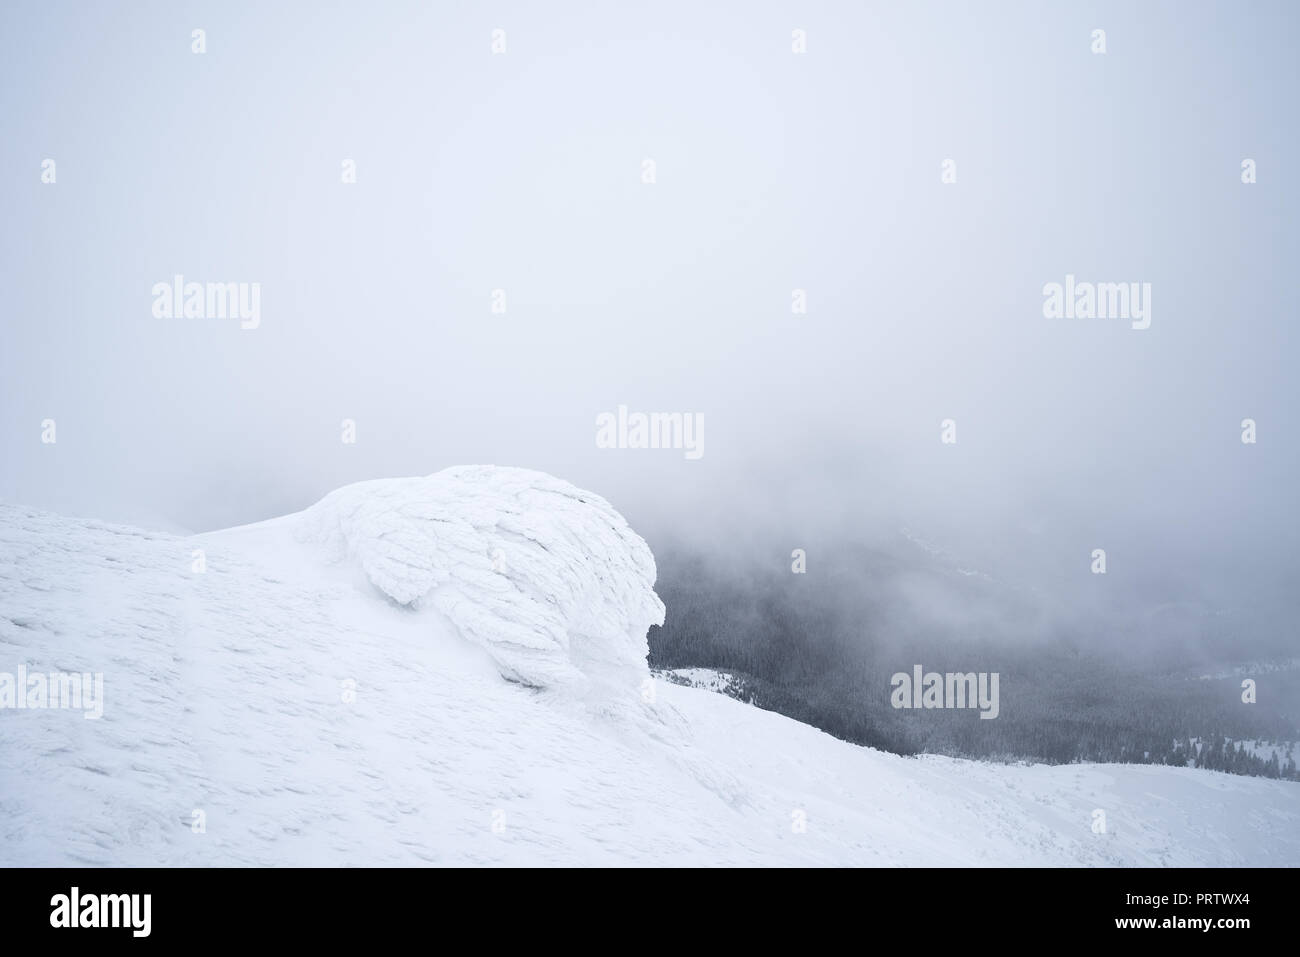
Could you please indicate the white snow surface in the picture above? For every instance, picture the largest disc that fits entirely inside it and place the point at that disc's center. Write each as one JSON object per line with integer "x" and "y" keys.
{"x": 330, "y": 691}
{"x": 549, "y": 578}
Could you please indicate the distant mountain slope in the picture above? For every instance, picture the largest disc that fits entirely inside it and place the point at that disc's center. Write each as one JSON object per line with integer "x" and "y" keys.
{"x": 279, "y": 708}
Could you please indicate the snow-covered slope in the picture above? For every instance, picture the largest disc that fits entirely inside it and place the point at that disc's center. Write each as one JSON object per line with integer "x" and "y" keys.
{"x": 329, "y": 689}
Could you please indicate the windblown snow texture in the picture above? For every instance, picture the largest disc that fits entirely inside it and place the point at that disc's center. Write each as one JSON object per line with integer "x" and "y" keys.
{"x": 277, "y": 709}
{"x": 547, "y": 577}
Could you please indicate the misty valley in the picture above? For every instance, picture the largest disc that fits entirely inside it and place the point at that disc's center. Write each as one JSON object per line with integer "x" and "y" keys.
{"x": 828, "y": 649}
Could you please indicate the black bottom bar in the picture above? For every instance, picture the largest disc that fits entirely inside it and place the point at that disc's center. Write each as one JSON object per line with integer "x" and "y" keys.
{"x": 333, "y": 907}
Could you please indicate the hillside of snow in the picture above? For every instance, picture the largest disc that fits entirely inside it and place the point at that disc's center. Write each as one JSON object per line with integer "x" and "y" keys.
{"x": 451, "y": 670}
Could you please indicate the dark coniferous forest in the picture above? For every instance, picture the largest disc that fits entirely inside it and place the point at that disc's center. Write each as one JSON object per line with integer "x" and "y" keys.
{"x": 822, "y": 650}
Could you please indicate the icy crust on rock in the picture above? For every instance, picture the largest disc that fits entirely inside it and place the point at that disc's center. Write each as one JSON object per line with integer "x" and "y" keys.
{"x": 548, "y": 578}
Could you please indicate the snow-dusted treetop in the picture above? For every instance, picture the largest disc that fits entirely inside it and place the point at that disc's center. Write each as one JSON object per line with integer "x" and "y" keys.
{"x": 548, "y": 578}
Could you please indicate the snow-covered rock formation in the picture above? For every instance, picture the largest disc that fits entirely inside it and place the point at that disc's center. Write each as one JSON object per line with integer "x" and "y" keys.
{"x": 548, "y": 578}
